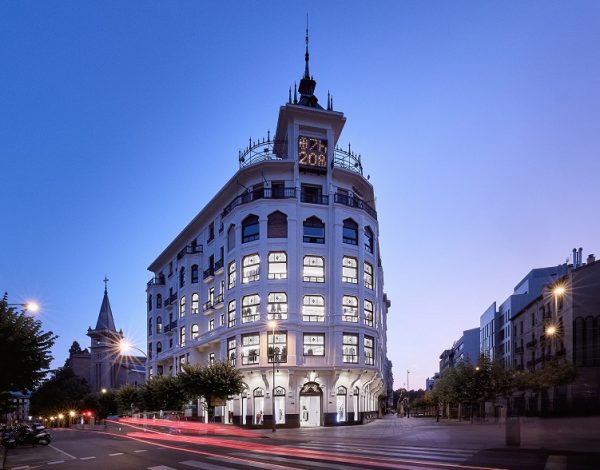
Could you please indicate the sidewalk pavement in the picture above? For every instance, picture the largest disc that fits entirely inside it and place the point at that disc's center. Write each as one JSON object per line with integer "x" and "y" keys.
{"x": 580, "y": 434}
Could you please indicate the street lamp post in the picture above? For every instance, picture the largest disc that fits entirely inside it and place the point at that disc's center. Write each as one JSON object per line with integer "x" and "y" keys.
{"x": 273, "y": 325}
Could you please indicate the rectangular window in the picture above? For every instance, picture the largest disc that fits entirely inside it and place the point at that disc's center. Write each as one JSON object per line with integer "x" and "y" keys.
{"x": 211, "y": 232}
{"x": 350, "y": 348}
{"x": 195, "y": 302}
{"x": 211, "y": 324}
{"x": 222, "y": 319}
{"x": 182, "y": 307}
{"x": 314, "y": 233}
{"x": 313, "y": 308}
{"x": 231, "y": 278}
{"x": 313, "y": 269}
{"x": 231, "y": 345}
{"x": 250, "y": 308}
{"x": 277, "y": 265}
{"x": 250, "y": 349}
{"x": 368, "y": 275}
{"x": 349, "y": 270}
{"x": 211, "y": 296}
{"x": 250, "y": 268}
{"x": 368, "y": 313}
{"x": 350, "y": 308}
{"x": 280, "y": 354}
{"x": 277, "y": 306}
{"x": 312, "y": 194}
{"x": 314, "y": 344}
{"x": 211, "y": 358}
{"x": 231, "y": 314}
{"x": 369, "y": 350}
{"x": 182, "y": 336}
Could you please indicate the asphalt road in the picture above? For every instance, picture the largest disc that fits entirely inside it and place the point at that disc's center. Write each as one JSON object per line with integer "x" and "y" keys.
{"x": 132, "y": 448}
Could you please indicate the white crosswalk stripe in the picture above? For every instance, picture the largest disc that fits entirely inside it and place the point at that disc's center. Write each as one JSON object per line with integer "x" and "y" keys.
{"x": 205, "y": 465}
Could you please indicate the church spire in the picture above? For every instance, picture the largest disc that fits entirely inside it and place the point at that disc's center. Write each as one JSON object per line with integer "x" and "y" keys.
{"x": 306, "y": 55}
{"x": 105, "y": 317}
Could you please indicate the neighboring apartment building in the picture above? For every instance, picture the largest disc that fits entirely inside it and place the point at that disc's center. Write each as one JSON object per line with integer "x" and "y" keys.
{"x": 495, "y": 322}
{"x": 20, "y": 414}
{"x": 465, "y": 349}
{"x": 562, "y": 324}
{"x": 292, "y": 238}
{"x": 103, "y": 365}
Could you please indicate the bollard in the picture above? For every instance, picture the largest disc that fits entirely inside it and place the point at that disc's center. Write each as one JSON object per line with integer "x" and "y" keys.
{"x": 513, "y": 431}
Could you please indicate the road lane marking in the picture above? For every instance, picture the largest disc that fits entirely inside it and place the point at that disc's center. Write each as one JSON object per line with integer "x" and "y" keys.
{"x": 87, "y": 458}
{"x": 138, "y": 451}
{"x": 115, "y": 454}
{"x": 312, "y": 463}
{"x": 63, "y": 452}
{"x": 22, "y": 467}
{"x": 556, "y": 462}
{"x": 54, "y": 462}
{"x": 205, "y": 465}
{"x": 161, "y": 467}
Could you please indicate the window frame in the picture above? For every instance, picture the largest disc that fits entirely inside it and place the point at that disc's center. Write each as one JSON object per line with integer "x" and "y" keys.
{"x": 277, "y": 300}
{"x": 369, "y": 320}
{"x": 320, "y": 305}
{"x": 272, "y": 262}
{"x": 250, "y": 229}
{"x": 250, "y": 311}
{"x": 349, "y": 305}
{"x": 369, "y": 359}
{"x": 250, "y": 272}
{"x": 312, "y": 224}
{"x": 368, "y": 276}
{"x": 250, "y": 347}
{"x": 309, "y": 346}
{"x": 348, "y": 269}
{"x": 350, "y": 232}
{"x": 350, "y": 348}
{"x": 305, "y": 266}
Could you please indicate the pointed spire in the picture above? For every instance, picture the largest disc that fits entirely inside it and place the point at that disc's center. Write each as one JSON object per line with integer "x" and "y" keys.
{"x": 105, "y": 317}
{"x": 290, "y": 96}
{"x": 295, "y": 94}
{"x": 306, "y": 73}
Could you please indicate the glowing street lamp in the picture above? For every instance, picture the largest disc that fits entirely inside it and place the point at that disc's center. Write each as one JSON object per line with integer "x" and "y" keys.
{"x": 30, "y": 306}
{"x": 125, "y": 347}
{"x": 103, "y": 391}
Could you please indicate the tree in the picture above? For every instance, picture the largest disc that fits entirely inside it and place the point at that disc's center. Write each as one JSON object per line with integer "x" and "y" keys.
{"x": 24, "y": 350}
{"x": 61, "y": 393}
{"x": 102, "y": 404}
{"x": 217, "y": 380}
{"x": 162, "y": 393}
{"x": 128, "y": 399}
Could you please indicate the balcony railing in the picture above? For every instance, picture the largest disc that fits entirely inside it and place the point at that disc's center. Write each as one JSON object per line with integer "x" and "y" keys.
{"x": 347, "y": 159}
{"x": 156, "y": 281}
{"x": 218, "y": 301}
{"x": 259, "y": 193}
{"x": 218, "y": 265}
{"x": 210, "y": 272}
{"x": 314, "y": 198}
{"x": 262, "y": 150}
{"x": 208, "y": 306}
{"x": 171, "y": 326}
{"x": 189, "y": 250}
{"x": 353, "y": 201}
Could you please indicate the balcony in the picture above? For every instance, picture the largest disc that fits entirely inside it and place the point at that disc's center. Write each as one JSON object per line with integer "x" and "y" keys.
{"x": 312, "y": 198}
{"x": 347, "y": 159}
{"x": 208, "y": 307}
{"x": 218, "y": 303}
{"x": 219, "y": 266}
{"x": 168, "y": 301}
{"x": 353, "y": 201}
{"x": 259, "y": 193}
{"x": 190, "y": 250}
{"x": 208, "y": 274}
{"x": 156, "y": 281}
{"x": 171, "y": 326}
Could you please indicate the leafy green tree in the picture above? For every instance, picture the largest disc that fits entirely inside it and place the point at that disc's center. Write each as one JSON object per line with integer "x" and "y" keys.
{"x": 162, "y": 393}
{"x": 102, "y": 404}
{"x": 217, "y": 380}
{"x": 128, "y": 399}
{"x": 24, "y": 350}
{"x": 62, "y": 392}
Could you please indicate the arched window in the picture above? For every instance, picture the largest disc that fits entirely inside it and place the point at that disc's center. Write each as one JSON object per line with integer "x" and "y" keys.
{"x": 369, "y": 240}
{"x": 368, "y": 307}
{"x": 277, "y": 225}
{"x": 182, "y": 306}
{"x": 231, "y": 238}
{"x": 194, "y": 274}
{"x": 250, "y": 268}
{"x": 158, "y": 301}
{"x": 195, "y": 331}
{"x": 158, "y": 347}
{"x": 313, "y": 308}
{"x": 350, "y": 232}
{"x": 314, "y": 230}
{"x": 231, "y": 314}
{"x": 159, "y": 325}
{"x": 350, "y": 308}
{"x": 277, "y": 306}
{"x": 149, "y": 303}
{"x": 195, "y": 302}
{"x": 181, "y": 276}
{"x": 250, "y": 229}
{"x": 182, "y": 336}
{"x": 250, "y": 308}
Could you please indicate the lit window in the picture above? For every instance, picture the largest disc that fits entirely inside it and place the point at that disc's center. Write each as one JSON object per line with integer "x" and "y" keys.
{"x": 159, "y": 325}
{"x": 211, "y": 324}
{"x": 250, "y": 349}
{"x": 182, "y": 336}
{"x": 277, "y": 265}
{"x": 182, "y": 307}
{"x": 250, "y": 229}
{"x": 280, "y": 344}
{"x": 350, "y": 308}
{"x": 314, "y": 230}
{"x": 231, "y": 345}
{"x": 368, "y": 276}
{"x": 222, "y": 319}
{"x": 350, "y": 348}
{"x": 181, "y": 276}
{"x": 211, "y": 358}
{"x": 250, "y": 268}
{"x": 231, "y": 275}
{"x": 313, "y": 308}
{"x": 195, "y": 331}
{"x": 277, "y": 308}
{"x": 369, "y": 356}
{"x": 350, "y": 232}
{"x": 195, "y": 302}
{"x": 368, "y": 313}
{"x": 369, "y": 240}
{"x": 313, "y": 269}
{"x": 349, "y": 270}
{"x": 314, "y": 344}
{"x": 195, "y": 274}
{"x": 250, "y": 308}
{"x": 231, "y": 313}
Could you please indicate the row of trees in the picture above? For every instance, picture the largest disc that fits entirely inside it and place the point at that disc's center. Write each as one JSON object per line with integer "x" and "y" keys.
{"x": 65, "y": 391}
{"x": 472, "y": 385}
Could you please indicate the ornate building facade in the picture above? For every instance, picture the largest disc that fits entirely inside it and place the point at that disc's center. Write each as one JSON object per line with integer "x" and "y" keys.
{"x": 281, "y": 275}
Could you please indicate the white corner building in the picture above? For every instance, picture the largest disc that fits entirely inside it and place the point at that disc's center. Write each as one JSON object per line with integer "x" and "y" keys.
{"x": 282, "y": 265}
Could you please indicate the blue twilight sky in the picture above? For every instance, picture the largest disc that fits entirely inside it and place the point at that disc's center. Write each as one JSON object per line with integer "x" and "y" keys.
{"x": 477, "y": 122}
